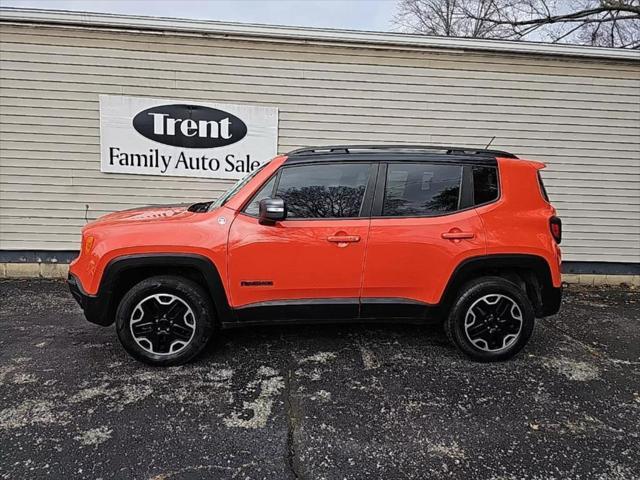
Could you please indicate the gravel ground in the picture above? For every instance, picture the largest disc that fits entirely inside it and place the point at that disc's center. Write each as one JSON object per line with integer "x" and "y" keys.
{"x": 334, "y": 402}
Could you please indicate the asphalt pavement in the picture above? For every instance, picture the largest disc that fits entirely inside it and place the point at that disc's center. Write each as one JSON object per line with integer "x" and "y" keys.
{"x": 320, "y": 402}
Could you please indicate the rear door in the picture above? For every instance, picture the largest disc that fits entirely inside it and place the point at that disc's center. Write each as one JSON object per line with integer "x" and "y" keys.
{"x": 309, "y": 265}
{"x": 423, "y": 225}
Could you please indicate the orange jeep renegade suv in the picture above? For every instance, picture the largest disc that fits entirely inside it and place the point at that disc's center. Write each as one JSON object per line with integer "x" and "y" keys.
{"x": 334, "y": 234}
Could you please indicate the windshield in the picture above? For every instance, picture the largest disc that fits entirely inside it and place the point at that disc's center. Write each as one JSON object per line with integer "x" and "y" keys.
{"x": 226, "y": 196}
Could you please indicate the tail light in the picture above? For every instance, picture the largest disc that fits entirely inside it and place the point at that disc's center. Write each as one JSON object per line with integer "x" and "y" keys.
{"x": 555, "y": 225}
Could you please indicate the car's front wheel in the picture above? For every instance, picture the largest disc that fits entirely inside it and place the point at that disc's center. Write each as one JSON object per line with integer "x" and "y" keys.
{"x": 164, "y": 320}
{"x": 491, "y": 320}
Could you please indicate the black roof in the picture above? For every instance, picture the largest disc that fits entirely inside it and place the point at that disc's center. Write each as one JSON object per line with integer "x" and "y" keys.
{"x": 397, "y": 152}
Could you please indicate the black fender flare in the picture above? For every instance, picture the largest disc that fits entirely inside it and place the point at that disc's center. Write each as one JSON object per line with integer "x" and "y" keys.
{"x": 545, "y": 297}
{"x": 119, "y": 266}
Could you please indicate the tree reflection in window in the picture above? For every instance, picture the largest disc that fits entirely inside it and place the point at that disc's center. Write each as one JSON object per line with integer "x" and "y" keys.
{"x": 324, "y": 191}
{"x": 421, "y": 189}
{"x": 323, "y": 202}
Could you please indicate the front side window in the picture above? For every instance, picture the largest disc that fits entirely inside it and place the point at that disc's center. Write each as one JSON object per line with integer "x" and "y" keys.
{"x": 332, "y": 190}
{"x": 421, "y": 189}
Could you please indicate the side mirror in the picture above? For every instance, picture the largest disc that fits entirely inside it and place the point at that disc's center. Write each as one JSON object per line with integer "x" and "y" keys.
{"x": 272, "y": 210}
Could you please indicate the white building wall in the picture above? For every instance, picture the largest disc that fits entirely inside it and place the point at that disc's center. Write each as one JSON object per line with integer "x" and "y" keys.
{"x": 579, "y": 115}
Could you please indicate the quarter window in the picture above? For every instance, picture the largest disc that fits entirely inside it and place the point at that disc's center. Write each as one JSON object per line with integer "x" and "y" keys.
{"x": 334, "y": 190}
{"x": 421, "y": 189}
{"x": 485, "y": 184}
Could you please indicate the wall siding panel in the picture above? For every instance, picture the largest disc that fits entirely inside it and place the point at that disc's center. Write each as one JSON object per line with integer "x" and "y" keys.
{"x": 581, "y": 116}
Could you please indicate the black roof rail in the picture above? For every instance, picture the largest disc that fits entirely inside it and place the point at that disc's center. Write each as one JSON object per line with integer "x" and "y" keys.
{"x": 448, "y": 150}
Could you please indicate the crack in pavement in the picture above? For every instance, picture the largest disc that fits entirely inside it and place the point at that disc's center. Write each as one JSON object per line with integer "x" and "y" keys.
{"x": 291, "y": 412}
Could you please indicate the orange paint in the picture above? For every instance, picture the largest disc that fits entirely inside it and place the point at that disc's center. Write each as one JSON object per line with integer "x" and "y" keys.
{"x": 410, "y": 258}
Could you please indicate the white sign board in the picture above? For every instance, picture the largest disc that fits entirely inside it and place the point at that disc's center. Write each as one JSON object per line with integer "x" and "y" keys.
{"x": 182, "y": 138}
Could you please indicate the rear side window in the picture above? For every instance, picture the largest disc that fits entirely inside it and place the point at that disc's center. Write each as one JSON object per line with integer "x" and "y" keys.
{"x": 333, "y": 190}
{"x": 485, "y": 184}
{"x": 421, "y": 189}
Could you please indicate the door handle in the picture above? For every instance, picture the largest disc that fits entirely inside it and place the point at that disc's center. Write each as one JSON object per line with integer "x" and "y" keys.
{"x": 458, "y": 235}
{"x": 344, "y": 238}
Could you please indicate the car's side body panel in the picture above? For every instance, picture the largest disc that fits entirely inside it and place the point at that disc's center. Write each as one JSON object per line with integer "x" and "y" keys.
{"x": 296, "y": 270}
{"x": 407, "y": 258}
{"x": 295, "y": 259}
{"x": 161, "y": 230}
{"x": 197, "y": 234}
{"x": 518, "y": 223}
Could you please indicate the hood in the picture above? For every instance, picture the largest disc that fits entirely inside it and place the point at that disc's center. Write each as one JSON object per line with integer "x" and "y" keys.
{"x": 146, "y": 214}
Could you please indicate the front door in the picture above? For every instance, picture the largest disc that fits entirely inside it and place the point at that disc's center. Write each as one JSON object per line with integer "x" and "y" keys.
{"x": 309, "y": 265}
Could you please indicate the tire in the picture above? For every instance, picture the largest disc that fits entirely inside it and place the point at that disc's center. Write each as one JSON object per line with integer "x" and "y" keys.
{"x": 165, "y": 320}
{"x": 501, "y": 313}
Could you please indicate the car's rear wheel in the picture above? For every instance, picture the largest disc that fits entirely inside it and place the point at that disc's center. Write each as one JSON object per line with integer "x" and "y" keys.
{"x": 165, "y": 320}
{"x": 491, "y": 320}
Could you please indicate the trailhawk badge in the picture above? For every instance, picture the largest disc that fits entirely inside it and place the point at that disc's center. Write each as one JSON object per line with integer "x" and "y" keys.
{"x": 178, "y": 138}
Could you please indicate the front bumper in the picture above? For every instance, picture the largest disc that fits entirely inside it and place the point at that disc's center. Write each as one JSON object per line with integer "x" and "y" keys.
{"x": 94, "y": 307}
